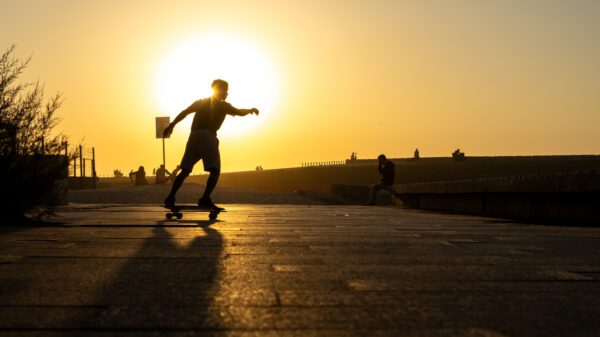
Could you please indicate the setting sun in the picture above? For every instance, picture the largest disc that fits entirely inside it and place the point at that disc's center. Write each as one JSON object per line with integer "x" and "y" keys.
{"x": 188, "y": 69}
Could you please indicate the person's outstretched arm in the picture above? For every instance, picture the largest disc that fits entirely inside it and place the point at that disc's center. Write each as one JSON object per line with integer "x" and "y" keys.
{"x": 243, "y": 112}
{"x": 169, "y": 129}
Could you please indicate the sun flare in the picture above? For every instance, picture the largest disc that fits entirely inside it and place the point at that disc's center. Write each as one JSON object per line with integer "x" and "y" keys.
{"x": 187, "y": 71}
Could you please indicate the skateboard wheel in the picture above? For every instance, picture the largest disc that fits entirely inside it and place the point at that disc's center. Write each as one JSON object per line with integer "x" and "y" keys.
{"x": 212, "y": 216}
{"x": 169, "y": 215}
{"x": 179, "y": 215}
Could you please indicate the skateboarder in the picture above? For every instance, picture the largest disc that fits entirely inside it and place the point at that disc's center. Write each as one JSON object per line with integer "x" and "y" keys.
{"x": 203, "y": 142}
{"x": 386, "y": 169}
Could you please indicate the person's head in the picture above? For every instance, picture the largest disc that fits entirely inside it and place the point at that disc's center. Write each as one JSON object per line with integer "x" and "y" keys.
{"x": 220, "y": 88}
{"x": 381, "y": 158}
{"x": 141, "y": 169}
{"x": 162, "y": 166}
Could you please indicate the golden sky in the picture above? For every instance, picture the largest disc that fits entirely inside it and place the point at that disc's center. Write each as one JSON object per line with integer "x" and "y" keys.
{"x": 330, "y": 77}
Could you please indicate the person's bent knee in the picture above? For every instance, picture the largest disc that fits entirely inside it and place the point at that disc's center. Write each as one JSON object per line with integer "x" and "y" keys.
{"x": 214, "y": 171}
{"x": 184, "y": 173}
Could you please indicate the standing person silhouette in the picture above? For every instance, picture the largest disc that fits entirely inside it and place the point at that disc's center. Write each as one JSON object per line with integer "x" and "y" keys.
{"x": 203, "y": 142}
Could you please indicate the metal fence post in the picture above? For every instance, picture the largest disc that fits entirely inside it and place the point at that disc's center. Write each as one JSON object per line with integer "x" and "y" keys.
{"x": 94, "y": 167}
{"x": 80, "y": 167}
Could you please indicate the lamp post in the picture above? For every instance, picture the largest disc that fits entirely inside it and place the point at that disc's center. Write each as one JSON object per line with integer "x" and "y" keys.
{"x": 161, "y": 125}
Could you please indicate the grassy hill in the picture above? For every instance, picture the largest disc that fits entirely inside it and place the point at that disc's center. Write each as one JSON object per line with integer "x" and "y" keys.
{"x": 407, "y": 171}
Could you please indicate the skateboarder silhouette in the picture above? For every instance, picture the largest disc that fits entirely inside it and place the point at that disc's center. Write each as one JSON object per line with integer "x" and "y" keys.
{"x": 203, "y": 142}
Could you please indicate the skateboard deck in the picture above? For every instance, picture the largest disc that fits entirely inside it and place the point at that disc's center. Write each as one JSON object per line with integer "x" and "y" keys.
{"x": 175, "y": 211}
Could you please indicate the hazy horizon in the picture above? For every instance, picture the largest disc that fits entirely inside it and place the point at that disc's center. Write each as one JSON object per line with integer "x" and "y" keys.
{"x": 330, "y": 77}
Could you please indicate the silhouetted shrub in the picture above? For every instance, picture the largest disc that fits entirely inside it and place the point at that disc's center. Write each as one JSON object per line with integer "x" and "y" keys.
{"x": 32, "y": 171}
{"x": 118, "y": 173}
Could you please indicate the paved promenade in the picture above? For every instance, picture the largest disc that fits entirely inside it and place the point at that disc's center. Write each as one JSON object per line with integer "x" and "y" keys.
{"x": 278, "y": 270}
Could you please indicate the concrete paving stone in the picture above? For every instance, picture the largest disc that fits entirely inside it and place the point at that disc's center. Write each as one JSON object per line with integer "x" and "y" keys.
{"x": 251, "y": 297}
{"x": 292, "y": 270}
{"x": 287, "y": 283}
{"x": 274, "y": 259}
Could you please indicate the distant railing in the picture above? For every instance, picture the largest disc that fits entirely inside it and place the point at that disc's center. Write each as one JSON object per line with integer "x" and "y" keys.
{"x": 324, "y": 163}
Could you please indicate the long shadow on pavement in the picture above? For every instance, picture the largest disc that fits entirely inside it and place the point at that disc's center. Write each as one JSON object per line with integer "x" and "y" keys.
{"x": 167, "y": 286}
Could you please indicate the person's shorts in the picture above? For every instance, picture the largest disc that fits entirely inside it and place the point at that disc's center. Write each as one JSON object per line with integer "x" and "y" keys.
{"x": 202, "y": 144}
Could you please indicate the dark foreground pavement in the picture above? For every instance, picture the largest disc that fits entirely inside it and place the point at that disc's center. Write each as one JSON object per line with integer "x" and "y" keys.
{"x": 297, "y": 271}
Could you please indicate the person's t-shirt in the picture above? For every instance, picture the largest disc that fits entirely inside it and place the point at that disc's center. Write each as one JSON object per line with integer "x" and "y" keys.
{"x": 387, "y": 172}
{"x": 210, "y": 114}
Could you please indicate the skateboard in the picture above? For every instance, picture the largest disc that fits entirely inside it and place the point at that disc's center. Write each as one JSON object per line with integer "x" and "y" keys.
{"x": 175, "y": 211}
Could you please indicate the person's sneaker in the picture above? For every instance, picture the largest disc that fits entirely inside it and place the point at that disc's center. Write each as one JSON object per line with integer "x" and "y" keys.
{"x": 206, "y": 202}
{"x": 169, "y": 202}
{"x": 370, "y": 204}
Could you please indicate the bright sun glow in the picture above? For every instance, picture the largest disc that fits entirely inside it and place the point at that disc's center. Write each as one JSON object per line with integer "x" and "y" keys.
{"x": 187, "y": 71}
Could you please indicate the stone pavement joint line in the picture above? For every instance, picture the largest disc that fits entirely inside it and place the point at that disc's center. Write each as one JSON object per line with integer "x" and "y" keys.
{"x": 290, "y": 270}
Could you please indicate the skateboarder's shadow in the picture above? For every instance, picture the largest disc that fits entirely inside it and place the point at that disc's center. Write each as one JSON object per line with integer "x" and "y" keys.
{"x": 178, "y": 223}
{"x": 168, "y": 284}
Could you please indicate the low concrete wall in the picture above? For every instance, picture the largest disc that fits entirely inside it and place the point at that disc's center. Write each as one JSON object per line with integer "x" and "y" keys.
{"x": 556, "y": 182}
{"x": 31, "y": 181}
{"x": 572, "y": 197}
{"x": 60, "y": 192}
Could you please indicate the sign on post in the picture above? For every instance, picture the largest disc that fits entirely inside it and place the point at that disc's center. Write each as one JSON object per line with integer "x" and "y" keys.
{"x": 161, "y": 125}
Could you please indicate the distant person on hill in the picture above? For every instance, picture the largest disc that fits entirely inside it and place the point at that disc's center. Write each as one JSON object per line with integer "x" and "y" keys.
{"x": 203, "y": 142}
{"x": 417, "y": 155}
{"x": 387, "y": 171}
{"x": 161, "y": 175}
{"x": 140, "y": 176}
{"x": 457, "y": 155}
